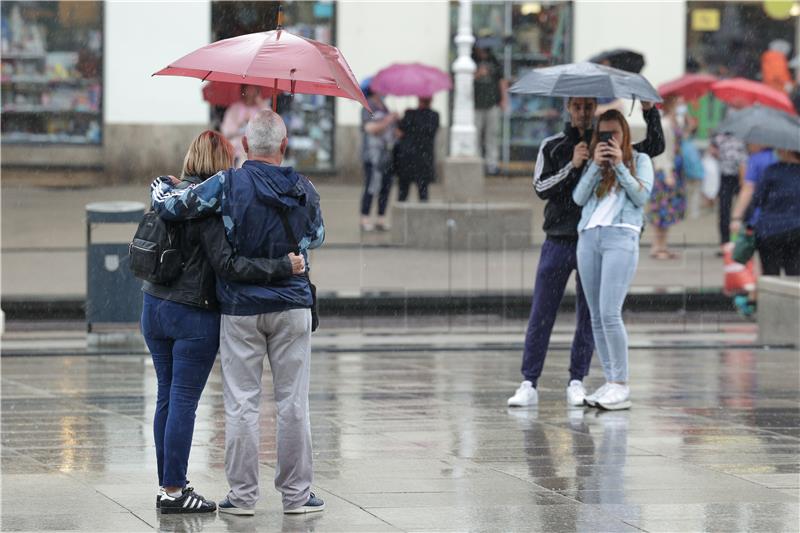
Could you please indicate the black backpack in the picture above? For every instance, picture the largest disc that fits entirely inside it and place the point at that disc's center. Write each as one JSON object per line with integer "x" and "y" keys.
{"x": 155, "y": 254}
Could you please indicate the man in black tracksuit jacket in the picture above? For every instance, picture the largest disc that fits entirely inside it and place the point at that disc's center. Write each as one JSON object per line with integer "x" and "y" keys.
{"x": 561, "y": 161}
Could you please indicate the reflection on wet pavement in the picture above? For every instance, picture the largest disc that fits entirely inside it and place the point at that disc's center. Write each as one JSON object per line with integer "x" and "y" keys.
{"x": 423, "y": 441}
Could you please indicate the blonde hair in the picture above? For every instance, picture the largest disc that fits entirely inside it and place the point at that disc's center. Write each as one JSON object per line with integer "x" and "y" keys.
{"x": 209, "y": 153}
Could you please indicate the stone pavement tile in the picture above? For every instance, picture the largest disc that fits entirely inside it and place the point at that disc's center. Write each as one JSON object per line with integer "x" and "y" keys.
{"x": 724, "y": 525}
{"x": 483, "y": 517}
{"x": 77, "y": 519}
{"x": 683, "y": 495}
{"x": 702, "y": 511}
{"x": 523, "y": 494}
{"x": 775, "y": 481}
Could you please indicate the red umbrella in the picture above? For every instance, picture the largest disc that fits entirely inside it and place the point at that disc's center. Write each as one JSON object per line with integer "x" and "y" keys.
{"x": 225, "y": 94}
{"x": 276, "y": 59}
{"x": 412, "y": 79}
{"x": 744, "y": 92}
{"x": 689, "y": 86}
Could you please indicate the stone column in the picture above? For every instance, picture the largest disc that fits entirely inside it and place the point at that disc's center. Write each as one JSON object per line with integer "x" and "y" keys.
{"x": 463, "y": 170}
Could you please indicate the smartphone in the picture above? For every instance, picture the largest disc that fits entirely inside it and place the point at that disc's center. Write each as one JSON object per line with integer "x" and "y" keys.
{"x": 604, "y": 136}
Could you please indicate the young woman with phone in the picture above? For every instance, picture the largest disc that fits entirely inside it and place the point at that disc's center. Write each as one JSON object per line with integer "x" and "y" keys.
{"x": 612, "y": 192}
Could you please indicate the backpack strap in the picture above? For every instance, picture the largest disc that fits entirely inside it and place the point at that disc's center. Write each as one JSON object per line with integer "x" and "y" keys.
{"x": 287, "y": 227}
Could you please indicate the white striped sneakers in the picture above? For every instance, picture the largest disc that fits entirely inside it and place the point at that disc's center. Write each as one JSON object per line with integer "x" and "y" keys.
{"x": 188, "y": 502}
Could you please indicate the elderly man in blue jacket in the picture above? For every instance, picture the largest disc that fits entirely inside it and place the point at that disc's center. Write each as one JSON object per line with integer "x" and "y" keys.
{"x": 268, "y": 210}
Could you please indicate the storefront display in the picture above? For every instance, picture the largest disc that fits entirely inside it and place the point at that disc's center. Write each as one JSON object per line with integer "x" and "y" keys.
{"x": 309, "y": 119}
{"x": 523, "y": 36}
{"x": 51, "y": 72}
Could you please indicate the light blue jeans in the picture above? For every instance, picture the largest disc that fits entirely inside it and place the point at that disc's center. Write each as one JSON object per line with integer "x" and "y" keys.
{"x": 607, "y": 258}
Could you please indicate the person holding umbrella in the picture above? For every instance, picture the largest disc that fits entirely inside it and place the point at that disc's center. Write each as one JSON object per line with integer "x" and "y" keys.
{"x": 414, "y": 151}
{"x": 561, "y": 162}
{"x": 413, "y": 154}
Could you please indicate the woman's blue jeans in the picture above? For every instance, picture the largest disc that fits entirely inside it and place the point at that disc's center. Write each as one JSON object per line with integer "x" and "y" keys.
{"x": 607, "y": 259}
{"x": 183, "y": 341}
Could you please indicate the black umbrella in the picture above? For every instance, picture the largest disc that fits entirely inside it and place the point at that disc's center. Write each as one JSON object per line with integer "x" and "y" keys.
{"x": 764, "y": 126}
{"x": 587, "y": 80}
{"x": 620, "y": 58}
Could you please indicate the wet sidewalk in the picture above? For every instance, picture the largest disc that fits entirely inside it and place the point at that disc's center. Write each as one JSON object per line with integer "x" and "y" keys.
{"x": 411, "y": 433}
{"x": 44, "y": 256}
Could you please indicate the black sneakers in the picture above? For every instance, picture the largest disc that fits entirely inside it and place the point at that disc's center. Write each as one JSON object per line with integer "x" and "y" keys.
{"x": 188, "y": 502}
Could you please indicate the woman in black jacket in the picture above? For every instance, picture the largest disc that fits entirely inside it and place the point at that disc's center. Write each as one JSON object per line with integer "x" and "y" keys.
{"x": 414, "y": 152}
{"x": 180, "y": 324}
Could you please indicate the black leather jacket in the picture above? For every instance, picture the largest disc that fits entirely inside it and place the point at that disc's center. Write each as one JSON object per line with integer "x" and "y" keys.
{"x": 555, "y": 178}
{"x": 206, "y": 252}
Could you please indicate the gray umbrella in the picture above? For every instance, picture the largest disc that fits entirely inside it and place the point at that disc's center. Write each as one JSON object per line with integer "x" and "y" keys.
{"x": 586, "y": 80}
{"x": 765, "y": 126}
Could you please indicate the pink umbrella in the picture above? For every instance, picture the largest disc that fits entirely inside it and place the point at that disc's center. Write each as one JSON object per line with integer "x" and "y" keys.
{"x": 411, "y": 79}
{"x": 690, "y": 86}
{"x": 276, "y": 59}
{"x": 744, "y": 92}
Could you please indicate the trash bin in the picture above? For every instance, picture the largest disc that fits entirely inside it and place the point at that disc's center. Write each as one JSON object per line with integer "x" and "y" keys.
{"x": 113, "y": 294}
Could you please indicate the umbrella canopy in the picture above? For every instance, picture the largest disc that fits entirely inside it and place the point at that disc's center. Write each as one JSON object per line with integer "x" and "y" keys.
{"x": 276, "y": 59}
{"x": 587, "y": 80}
{"x": 622, "y": 59}
{"x": 765, "y": 126}
{"x": 689, "y": 86}
{"x": 744, "y": 92}
{"x": 413, "y": 79}
{"x": 224, "y": 94}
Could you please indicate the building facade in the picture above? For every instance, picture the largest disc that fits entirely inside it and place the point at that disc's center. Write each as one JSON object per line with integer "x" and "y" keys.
{"x": 78, "y": 90}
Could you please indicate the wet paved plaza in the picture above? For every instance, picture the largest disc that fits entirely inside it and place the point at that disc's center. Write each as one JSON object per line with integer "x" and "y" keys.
{"x": 419, "y": 439}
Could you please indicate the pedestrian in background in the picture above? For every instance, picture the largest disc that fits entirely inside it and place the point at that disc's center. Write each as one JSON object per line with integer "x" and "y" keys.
{"x": 491, "y": 100}
{"x": 777, "y": 225}
{"x": 236, "y": 118}
{"x": 414, "y": 152}
{"x": 613, "y": 193}
{"x": 732, "y": 156}
{"x": 181, "y": 320}
{"x": 775, "y": 66}
{"x": 668, "y": 202}
{"x": 378, "y": 136}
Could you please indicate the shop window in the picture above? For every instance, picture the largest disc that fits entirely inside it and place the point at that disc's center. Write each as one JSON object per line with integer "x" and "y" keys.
{"x": 727, "y": 39}
{"x": 310, "y": 119}
{"x": 52, "y": 72}
{"x": 523, "y": 36}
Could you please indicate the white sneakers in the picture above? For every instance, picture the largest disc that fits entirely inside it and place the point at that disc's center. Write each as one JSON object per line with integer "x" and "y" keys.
{"x": 591, "y": 400}
{"x": 576, "y": 394}
{"x": 525, "y": 396}
{"x": 611, "y": 396}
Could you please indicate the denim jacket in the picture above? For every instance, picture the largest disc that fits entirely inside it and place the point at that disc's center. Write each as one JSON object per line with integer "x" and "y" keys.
{"x": 629, "y": 208}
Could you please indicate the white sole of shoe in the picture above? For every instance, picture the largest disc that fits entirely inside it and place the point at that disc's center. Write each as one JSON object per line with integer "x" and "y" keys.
{"x": 520, "y": 404}
{"x": 238, "y": 511}
{"x": 576, "y": 404}
{"x": 305, "y": 510}
{"x": 615, "y": 406}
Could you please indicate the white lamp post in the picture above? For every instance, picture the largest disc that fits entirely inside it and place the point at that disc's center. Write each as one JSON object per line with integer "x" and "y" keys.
{"x": 463, "y": 138}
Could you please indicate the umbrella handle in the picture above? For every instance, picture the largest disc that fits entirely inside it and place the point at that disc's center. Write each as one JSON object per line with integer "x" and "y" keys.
{"x": 275, "y": 96}
{"x": 280, "y": 17}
